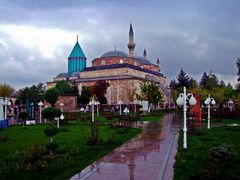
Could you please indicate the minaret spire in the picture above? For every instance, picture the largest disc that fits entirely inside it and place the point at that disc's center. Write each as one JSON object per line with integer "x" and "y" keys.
{"x": 131, "y": 44}
{"x": 77, "y": 38}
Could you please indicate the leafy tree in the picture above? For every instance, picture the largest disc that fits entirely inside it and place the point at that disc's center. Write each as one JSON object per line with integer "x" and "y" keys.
{"x": 131, "y": 94}
{"x": 212, "y": 81}
{"x": 100, "y": 89}
{"x": 33, "y": 93}
{"x": 51, "y": 96}
{"x": 86, "y": 94}
{"x": 64, "y": 88}
{"x": 6, "y": 90}
{"x": 151, "y": 92}
{"x": 183, "y": 79}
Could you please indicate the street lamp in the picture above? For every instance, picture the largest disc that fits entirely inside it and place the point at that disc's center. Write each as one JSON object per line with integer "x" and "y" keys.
{"x": 40, "y": 104}
{"x": 6, "y": 103}
{"x": 120, "y": 103}
{"x": 182, "y": 101}
{"x": 97, "y": 103}
{"x": 92, "y": 103}
{"x": 61, "y": 105}
{"x": 209, "y": 101}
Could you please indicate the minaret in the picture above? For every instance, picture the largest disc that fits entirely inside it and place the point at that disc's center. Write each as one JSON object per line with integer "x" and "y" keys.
{"x": 77, "y": 59}
{"x": 131, "y": 44}
{"x": 145, "y": 54}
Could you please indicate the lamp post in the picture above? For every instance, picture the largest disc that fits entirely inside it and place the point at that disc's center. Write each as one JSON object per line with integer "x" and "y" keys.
{"x": 61, "y": 105}
{"x": 92, "y": 103}
{"x": 182, "y": 101}
{"x": 97, "y": 103}
{"x": 209, "y": 101}
{"x": 120, "y": 103}
{"x": 40, "y": 104}
{"x": 6, "y": 103}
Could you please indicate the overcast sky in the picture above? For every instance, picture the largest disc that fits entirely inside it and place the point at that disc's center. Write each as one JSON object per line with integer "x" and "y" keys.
{"x": 36, "y": 37}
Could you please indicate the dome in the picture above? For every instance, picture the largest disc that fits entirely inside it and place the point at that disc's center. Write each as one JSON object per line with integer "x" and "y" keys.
{"x": 142, "y": 60}
{"x": 114, "y": 54}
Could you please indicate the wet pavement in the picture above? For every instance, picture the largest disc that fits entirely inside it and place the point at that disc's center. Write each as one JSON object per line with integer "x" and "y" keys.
{"x": 150, "y": 155}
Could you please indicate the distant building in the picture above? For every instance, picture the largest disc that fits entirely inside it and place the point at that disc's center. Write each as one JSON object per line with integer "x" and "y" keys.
{"x": 124, "y": 72}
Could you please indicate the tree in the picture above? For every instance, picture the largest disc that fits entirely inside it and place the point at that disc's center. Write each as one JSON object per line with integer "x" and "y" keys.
{"x": 192, "y": 83}
{"x": 33, "y": 93}
{"x": 131, "y": 94}
{"x": 222, "y": 84}
{"x": 100, "y": 89}
{"x": 151, "y": 92}
{"x": 204, "y": 79}
{"x": 173, "y": 84}
{"x": 86, "y": 94}
{"x": 50, "y": 113}
{"x": 6, "y": 90}
{"x": 238, "y": 66}
{"x": 183, "y": 79}
{"x": 51, "y": 96}
{"x": 64, "y": 88}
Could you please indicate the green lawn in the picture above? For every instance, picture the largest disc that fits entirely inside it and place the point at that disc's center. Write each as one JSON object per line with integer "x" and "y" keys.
{"x": 198, "y": 161}
{"x": 72, "y": 154}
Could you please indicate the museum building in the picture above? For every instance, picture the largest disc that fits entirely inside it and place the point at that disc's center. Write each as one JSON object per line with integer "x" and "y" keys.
{"x": 124, "y": 72}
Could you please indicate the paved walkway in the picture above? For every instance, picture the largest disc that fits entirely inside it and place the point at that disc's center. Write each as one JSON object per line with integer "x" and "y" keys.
{"x": 149, "y": 156}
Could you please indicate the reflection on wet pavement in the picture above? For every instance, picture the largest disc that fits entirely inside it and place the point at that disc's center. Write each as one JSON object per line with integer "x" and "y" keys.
{"x": 150, "y": 155}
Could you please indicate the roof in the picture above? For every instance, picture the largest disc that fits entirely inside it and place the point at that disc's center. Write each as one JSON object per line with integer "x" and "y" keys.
{"x": 142, "y": 59}
{"x": 114, "y": 54}
{"x": 63, "y": 75}
{"x": 113, "y": 66}
{"x": 77, "y": 52}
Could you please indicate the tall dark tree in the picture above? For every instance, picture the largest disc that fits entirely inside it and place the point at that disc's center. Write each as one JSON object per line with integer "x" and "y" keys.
{"x": 183, "y": 79}
{"x": 173, "y": 84}
{"x": 212, "y": 81}
{"x": 192, "y": 83}
{"x": 238, "y": 66}
{"x": 86, "y": 94}
{"x": 222, "y": 84}
{"x": 100, "y": 89}
{"x": 229, "y": 86}
{"x": 204, "y": 79}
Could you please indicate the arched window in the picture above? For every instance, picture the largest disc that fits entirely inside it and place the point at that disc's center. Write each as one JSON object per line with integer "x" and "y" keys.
{"x": 121, "y": 61}
{"x": 103, "y": 62}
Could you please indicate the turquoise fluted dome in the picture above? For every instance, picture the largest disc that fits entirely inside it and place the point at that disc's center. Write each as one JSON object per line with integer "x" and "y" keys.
{"x": 76, "y": 59}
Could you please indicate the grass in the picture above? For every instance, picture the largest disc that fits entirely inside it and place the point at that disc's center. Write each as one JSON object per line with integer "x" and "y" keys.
{"x": 197, "y": 162}
{"x": 72, "y": 154}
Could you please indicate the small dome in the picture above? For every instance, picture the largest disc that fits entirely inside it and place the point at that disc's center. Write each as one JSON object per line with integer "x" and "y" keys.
{"x": 114, "y": 54}
{"x": 142, "y": 60}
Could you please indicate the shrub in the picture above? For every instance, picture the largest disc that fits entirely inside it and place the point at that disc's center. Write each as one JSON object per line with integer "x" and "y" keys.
{"x": 3, "y": 138}
{"x": 51, "y": 112}
{"x": 51, "y": 147}
{"x": 23, "y": 116}
{"x": 222, "y": 153}
{"x": 51, "y": 131}
{"x": 93, "y": 138}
